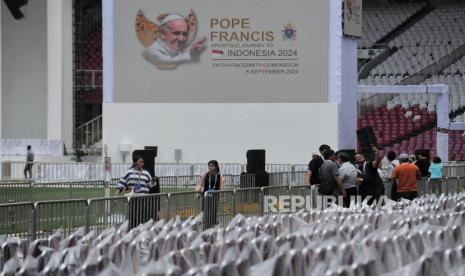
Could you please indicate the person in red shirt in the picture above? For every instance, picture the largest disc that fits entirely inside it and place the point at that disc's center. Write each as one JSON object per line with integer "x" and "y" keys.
{"x": 406, "y": 175}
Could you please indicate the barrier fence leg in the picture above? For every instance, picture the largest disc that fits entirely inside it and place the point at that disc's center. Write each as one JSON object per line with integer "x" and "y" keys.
{"x": 30, "y": 194}
{"x": 33, "y": 227}
{"x": 87, "y": 217}
{"x": 234, "y": 203}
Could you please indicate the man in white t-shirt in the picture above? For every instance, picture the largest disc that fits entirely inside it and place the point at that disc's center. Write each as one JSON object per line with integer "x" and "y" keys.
{"x": 348, "y": 173}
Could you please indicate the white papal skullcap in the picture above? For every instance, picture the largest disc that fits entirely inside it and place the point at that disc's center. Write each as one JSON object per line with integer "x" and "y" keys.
{"x": 171, "y": 17}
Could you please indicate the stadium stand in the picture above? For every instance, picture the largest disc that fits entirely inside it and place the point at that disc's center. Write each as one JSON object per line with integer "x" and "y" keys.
{"x": 433, "y": 37}
{"x": 393, "y": 124}
{"x": 380, "y": 21}
{"x": 403, "y": 122}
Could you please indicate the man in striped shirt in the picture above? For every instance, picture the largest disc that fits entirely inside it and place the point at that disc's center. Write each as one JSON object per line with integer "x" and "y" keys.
{"x": 136, "y": 179}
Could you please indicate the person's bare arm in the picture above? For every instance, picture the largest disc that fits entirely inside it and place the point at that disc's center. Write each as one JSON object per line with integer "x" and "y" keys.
{"x": 377, "y": 160}
{"x": 222, "y": 183}
{"x": 339, "y": 184}
{"x": 309, "y": 176}
{"x": 199, "y": 186}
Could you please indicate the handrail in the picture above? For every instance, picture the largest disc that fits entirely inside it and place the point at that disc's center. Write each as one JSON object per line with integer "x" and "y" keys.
{"x": 35, "y": 223}
{"x": 90, "y": 132}
{"x": 90, "y": 122}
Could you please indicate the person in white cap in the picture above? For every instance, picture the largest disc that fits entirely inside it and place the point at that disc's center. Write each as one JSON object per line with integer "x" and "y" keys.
{"x": 406, "y": 175}
{"x": 171, "y": 43}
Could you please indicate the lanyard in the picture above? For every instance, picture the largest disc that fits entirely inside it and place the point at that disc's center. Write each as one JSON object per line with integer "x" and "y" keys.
{"x": 210, "y": 187}
{"x": 139, "y": 174}
{"x": 364, "y": 170}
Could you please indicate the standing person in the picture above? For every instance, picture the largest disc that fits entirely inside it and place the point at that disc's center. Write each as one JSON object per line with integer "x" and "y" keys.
{"x": 406, "y": 175}
{"x": 330, "y": 179}
{"x": 348, "y": 174}
{"x": 423, "y": 164}
{"x": 137, "y": 180}
{"x": 389, "y": 163}
{"x": 436, "y": 170}
{"x": 313, "y": 173}
{"x": 29, "y": 162}
{"x": 209, "y": 182}
{"x": 371, "y": 183}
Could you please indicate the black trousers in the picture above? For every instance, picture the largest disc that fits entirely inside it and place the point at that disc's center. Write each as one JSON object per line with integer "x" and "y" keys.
{"x": 351, "y": 192}
{"x": 394, "y": 195}
{"x": 210, "y": 211}
{"x": 28, "y": 168}
{"x": 408, "y": 195}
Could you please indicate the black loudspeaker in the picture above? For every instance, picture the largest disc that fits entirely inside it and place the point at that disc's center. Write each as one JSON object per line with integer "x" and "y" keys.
{"x": 262, "y": 179}
{"x": 14, "y": 5}
{"x": 366, "y": 139}
{"x": 255, "y": 161}
{"x": 424, "y": 152}
{"x": 149, "y": 160}
{"x": 351, "y": 153}
{"x": 154, "y": 148}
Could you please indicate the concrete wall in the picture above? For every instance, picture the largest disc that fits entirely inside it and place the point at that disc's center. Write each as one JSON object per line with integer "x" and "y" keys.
{"x": 289, "y": 132}
{"x": 24, "y": 72}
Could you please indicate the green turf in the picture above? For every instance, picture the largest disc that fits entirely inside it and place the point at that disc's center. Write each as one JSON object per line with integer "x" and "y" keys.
{"x": 68, "y": 216}
{"x": 26, "y": 194}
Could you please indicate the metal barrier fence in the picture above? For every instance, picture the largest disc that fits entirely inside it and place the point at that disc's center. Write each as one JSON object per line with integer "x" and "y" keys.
{"x": 226, "y": 168}
{"x": 14, "y": 191}
{"x": 29, "y": 220}
{"x": 16, "y": 220}
{"x": 454, "y": 170}
{"x": 42, "y": 171}
{"x": 184, "y": 204}
{"x": 26, "y": 191}
{"x": 105, "y": 212}
{"x": 68, "y": 215}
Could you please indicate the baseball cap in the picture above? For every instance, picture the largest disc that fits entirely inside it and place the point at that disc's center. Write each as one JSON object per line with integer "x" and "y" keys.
{"x": 403, "y": 156}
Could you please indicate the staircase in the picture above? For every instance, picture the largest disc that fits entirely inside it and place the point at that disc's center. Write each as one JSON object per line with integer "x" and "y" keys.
{"x": 87, "y": 21}
{"x": 89, "y": 136}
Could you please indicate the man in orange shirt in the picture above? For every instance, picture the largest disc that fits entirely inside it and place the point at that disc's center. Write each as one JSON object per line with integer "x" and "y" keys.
{"x": 406, "y": 175}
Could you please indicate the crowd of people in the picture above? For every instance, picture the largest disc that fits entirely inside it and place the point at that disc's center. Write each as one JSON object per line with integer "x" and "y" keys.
{"x": 336, "y": 174}
{"x": 329, "y": 172}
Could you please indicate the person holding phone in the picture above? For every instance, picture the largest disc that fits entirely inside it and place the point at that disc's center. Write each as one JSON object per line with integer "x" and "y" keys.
{"x": 371, "y": 183}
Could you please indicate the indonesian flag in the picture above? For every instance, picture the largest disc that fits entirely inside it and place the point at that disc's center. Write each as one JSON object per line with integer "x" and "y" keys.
{"x": 217, "y": 53}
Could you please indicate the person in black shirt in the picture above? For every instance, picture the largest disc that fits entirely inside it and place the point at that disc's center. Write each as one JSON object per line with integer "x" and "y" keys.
{"x": 208, "y": 183}
{"x": 371, "y": 183}
{"x": 313, "y": 173}
{"x": 423, "y": 164}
